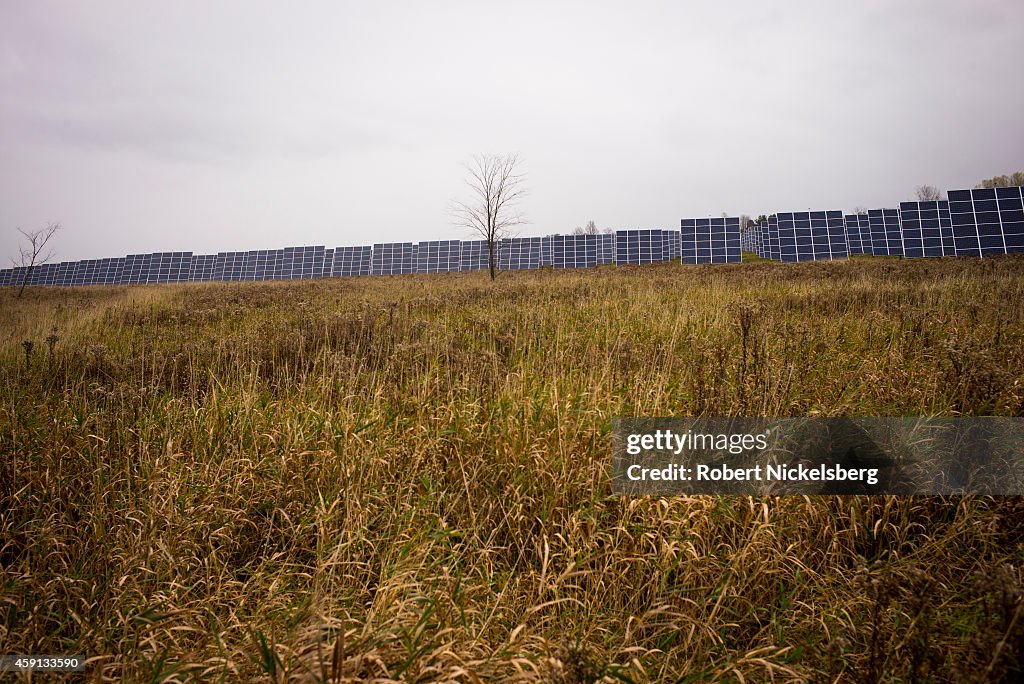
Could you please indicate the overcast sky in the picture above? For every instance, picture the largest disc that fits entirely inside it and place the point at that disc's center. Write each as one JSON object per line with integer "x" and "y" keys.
{"x": 212, "y": 126}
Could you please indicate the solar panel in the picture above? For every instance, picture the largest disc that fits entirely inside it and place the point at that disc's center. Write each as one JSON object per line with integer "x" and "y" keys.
{"x": 672, "y": 244}
{"x": 812, "y": 235}
{"x": 109, "y": 272}
{"x": 749, "y": 239}
{"x": 43, "y": 274}
{"x": 886, "y": 236}
{"x": 178, "y": 265}
{"x": 393, "y": 258}
{"x": 438, "y": 256}
{"x": 201, "y": 268}
{"x": 301, "y": 263}
{"x": 19, "y": 276}
{"x": 159, "y": 268}
{"x": 774, "y": 251}
{"x": 328, "y": 263}
{"x": 313, "y": 261}
{"x": 86, "y": 272}
{"x": 606, "y": 248}
{"x": 66, "y": 274}
{"x": 102, "y": 268}
{"x": 521, "y": 253}
{"x": 927, "y": 229}
{"x": 711, "y": 240}
{"x": 352, "y": 261}
{"x": 762, "y": 250}
{"x": 132, "y": 272}
{"x": 5, "y": 277}
{"x": 858, "y": 233}
{"x": 229, "y": 266}
{"x": 987, "y": 221}
{"x": 475, "y": 256}
{"x": 574, "y": 251}
{"x": 249, "y": 266}
{"x": 547, "y": 251}
{"x": 1011, "y": 217}
{"x": 639, "y": 247}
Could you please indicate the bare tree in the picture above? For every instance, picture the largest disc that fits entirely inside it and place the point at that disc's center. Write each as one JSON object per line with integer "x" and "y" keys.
{"x": 33, "y": 252}
{"x": 589, "y": 229}
{"x": 928, "y": 193}
{"x": 497, "y": 187}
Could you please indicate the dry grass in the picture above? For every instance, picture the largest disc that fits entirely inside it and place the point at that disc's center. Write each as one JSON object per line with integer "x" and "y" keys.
{"x": 407, "y": 479}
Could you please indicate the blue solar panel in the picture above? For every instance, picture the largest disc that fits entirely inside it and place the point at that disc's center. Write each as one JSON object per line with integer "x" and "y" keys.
{"x": 5, "y": 277}
{"x": 43, "y": 274}
{"x": 159, "y": 267}
{"x": 812, "y": 235}
{"x": 762, "y": 228}
{"x": 475, "y": 255}
{"x": 711, "y": 240}
{"x": 352, "y": 261}
{"x": 606, "y": 248}
{"x": 774, "y": 251}
{"x": 393, "y": 258}
{"x": 66, "y": 274}
{"x": 672, "y": 244}
{"x": 231, "y": 264}
{"x": 131, "y": 274}
{"x": 516, "y": 254}
{"x": 438, "y": 256}
{"x": 574, "y": 251}
{"x": 109, "y": 272}
{"x": 328, "y": 262}
{"x": 886, "y": 236}
{"x": 300, "y": 263}
{"x": 927, "y": 229}
{"x": 19, "y": 276}
{"x": 201, "y": 268}
{"x": 987, "y": 221}
{"x": 547, "y": 251}
{"x": 86, "y": 272}
{"x": 639, "y": 247}
{"x": 750, "y": 237}
{"x": 858, "y": 233}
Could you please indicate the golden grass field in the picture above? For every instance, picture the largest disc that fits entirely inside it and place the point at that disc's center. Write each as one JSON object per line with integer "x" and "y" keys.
{"x": 407, "y": 478}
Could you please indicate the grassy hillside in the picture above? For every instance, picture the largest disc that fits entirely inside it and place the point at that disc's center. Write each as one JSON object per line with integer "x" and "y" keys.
{"x": 407, "y": 478}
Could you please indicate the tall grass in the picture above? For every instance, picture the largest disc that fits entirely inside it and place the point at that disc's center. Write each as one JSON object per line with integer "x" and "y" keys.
{"x": 407, "y": 479}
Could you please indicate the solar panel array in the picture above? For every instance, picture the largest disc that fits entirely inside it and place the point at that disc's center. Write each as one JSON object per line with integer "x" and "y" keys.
{"x": 980, "y": 222}
{"x": 811, "y": 236}
{"x": 886, "y": 236}
{"x": 639, "y": 247}
{"x": 574, "y": 251}
{"x": 987, "y": 221}
{"x": 393, "y": 258}
{"x": 711, "y": 241}
{"x": 605, "y": 249}
{"x": 352, "y": 261}
{"x": 520, "y": 253}
{"x": 439, "y": 256}
{"x": 750, "y": 239}
{"x": 858, "y": 233}
{"x": 927, "y": 229}
{"x": 474, "y": 255}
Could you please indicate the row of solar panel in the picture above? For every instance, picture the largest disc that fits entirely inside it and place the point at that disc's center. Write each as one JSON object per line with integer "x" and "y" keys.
{"x": 980, "y": 222}
{"x": 443, "y": 256}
